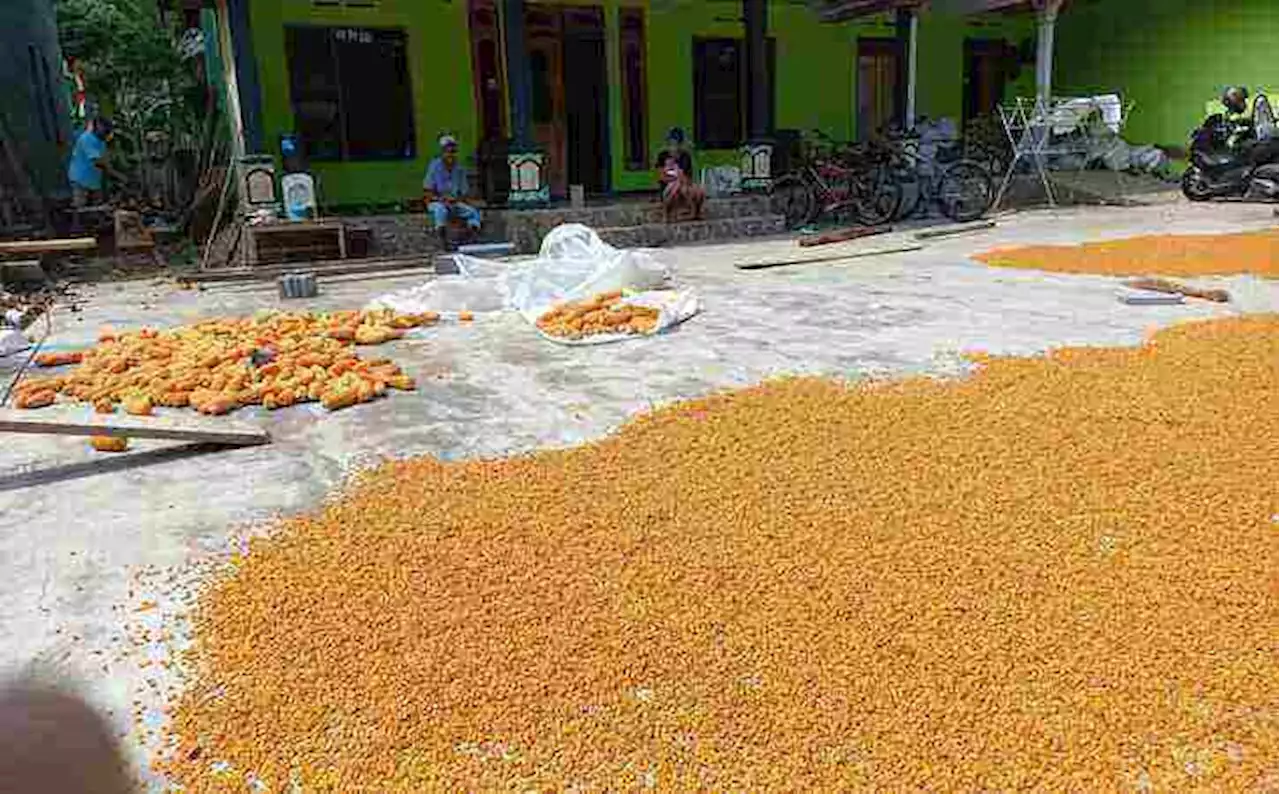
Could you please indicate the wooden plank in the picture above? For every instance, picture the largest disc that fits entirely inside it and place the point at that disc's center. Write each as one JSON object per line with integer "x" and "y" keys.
{"x": 82, "y": 423}
{"x": 1178, "y": 288}
{"x": 842, "y": 235}
{"x": 766, "y": 263}
{"x": 48, "y": 246}
{"x": 959, "y": 228}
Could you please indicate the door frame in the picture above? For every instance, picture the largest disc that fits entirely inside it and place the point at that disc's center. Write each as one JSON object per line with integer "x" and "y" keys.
{"x": 879, "y": 45}
{"x": 975, "y": 46}
{"x": 603, "y": 158}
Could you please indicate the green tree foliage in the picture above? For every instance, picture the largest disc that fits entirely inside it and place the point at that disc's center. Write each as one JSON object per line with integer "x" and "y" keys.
{"x": 133, "y": 69}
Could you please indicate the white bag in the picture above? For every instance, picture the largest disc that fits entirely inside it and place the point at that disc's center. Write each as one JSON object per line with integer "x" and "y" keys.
{"x": 574, "y": 263}
{"x": 445, "y": 295}
{"x": 12, "y": 341}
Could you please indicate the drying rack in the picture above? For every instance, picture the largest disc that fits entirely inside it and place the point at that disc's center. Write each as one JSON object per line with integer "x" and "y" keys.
{"x": 1039, "y": 129}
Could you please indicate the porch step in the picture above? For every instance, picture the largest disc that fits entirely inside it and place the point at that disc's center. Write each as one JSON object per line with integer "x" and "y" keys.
{"x": 526, "y": 228}
{"x": 652, "y": 235}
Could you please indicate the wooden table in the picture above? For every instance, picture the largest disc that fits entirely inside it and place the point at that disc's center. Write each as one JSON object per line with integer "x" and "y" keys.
{"x": 272, "y": 233}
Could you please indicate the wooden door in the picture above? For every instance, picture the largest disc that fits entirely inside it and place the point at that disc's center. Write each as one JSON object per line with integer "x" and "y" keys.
{"x": 486, "y": 67}
{"x": 880, "y": 69}
{"x": 490, "y": 91}
{"x": 984, "y": 76}
{"x": 586, "y": 98}
{"x": 545, "y": 40}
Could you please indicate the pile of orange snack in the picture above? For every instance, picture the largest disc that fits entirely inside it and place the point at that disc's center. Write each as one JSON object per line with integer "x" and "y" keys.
{"x": 223, "y": 364}
{"x": 605, "y": 313}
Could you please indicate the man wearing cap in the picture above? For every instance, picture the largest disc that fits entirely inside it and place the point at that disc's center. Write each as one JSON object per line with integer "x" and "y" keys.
{"x": 444, "y": 187}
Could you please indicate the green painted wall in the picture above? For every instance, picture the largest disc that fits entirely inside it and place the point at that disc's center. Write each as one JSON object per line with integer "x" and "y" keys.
{"x": 439, "y": 73}
{"x": 940, "y": 61}
{"x": 1169, "y": 56}
{"x": 815, "y": 81}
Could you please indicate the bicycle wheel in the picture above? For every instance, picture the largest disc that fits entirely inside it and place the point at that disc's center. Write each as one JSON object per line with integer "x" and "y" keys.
{"x": 965, "y": 191}
{"x": 793, "y": 199}
{"x": 877, "y": 198}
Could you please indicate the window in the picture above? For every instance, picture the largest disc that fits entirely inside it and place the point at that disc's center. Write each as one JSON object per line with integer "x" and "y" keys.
{"x": 351, "y": 93}
{"x": 635, "y": 104}
{"x": 721, "y": 93}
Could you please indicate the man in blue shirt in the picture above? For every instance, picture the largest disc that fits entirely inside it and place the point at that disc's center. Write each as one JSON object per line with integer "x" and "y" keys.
{"x": 444, "y": 187}
{"x": 86, "y": 166}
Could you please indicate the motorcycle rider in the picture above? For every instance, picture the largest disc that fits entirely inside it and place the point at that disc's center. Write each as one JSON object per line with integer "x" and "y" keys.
{"x": 1254, "y": 131}
{"x": 1235, "y": 153}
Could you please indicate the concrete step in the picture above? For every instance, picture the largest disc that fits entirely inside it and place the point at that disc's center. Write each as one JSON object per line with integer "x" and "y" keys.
{"x": 652, "y": 235}
{"x": 527, "y": 227}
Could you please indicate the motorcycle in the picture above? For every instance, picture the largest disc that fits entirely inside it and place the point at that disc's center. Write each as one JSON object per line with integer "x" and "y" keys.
{"x": 1220, "y": 170}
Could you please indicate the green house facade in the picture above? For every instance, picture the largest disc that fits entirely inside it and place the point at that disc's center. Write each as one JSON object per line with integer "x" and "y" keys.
{"x": 371, "y": 84}
{"x": 610, "y": 78}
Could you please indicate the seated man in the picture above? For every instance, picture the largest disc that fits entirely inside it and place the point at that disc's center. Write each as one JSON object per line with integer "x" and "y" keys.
{"x": 680, "y": 194}
{"x": 443, "y": 189}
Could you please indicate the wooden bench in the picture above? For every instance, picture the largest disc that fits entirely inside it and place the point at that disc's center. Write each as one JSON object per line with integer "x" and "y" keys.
{"x": 294, "y": 241}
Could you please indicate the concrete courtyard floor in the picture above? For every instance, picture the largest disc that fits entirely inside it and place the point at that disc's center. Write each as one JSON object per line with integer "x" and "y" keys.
{"x": 77, "y": 527}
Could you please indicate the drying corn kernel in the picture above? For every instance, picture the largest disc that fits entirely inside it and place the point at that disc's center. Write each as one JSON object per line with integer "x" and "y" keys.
{"x": 1058, "y": 574}
{"x": 605, "y": 313}
{"x": 1165, "y": 255}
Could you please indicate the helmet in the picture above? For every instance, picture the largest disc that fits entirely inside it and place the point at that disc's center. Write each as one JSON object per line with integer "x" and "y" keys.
{"x": 1236, "y": 98}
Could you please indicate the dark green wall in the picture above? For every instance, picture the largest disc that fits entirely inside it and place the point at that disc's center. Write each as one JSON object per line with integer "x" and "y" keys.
{"x": 1169, "y": 56}
{"x": 25, "y": 24}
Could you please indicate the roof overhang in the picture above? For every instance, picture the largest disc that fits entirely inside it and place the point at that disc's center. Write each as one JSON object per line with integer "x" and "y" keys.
{"x": 844, "y": 10}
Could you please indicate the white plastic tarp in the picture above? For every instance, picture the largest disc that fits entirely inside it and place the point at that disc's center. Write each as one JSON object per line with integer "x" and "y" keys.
{"x": 573, "y": 263}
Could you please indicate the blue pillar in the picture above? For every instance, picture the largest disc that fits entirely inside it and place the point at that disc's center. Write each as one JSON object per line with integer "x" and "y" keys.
{"x": 755, "y": 17}
{"x": 757, "y": 151}
{"x": 526, "y": 164}
{"x": 246, "y": 74}
{"x": 519, "y": 84}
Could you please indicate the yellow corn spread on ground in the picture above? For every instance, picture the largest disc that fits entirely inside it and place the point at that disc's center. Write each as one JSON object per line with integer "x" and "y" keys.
{"x": 605, "y": 313}
{"x": 1165, "y": 255}
{"x": 1058, "y": 574}
{"x": 209, "y": 366}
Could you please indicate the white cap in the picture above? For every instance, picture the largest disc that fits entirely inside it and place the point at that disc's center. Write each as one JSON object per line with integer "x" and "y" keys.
{"x": 447, "y": 140}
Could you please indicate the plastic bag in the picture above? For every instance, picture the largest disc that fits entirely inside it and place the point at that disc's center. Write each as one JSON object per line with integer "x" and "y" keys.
{"x": 446, "y": 294}
{"x": 12, "y": 341}
{"x": 575, "y": 263}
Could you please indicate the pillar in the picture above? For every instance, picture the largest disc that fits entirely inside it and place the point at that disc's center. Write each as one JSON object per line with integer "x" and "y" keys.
{"x": 913, "y": 32}
{"x": 528, "y": 180}
{"x": 1046, "y": 21}
{"x": 757, "y": 153}
{"x": 246, "y": 67}
{"x": 235, "y": 117}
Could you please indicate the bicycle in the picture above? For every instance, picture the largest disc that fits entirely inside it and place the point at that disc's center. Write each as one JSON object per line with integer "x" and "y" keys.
{"x": 961, "y": 187}
{"x": 844, "y": 179}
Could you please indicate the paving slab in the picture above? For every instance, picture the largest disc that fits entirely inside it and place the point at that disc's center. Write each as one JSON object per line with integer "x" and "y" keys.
{"x": 76, "y": 527}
